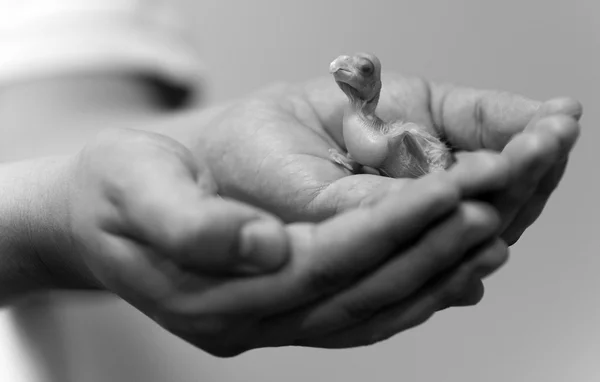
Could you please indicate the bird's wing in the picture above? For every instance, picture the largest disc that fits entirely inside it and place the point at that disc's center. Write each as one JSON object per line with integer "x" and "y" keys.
{"x": 407, "y": 157}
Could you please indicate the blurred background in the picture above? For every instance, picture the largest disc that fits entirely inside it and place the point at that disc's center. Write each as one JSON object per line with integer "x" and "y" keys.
{"x": 540, "y": 318}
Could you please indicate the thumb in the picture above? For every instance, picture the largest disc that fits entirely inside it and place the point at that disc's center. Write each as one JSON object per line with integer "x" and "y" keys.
{"x": 217, "y": 236}
{"x": 233, "y": 238}
{"x": 167, "y": 210}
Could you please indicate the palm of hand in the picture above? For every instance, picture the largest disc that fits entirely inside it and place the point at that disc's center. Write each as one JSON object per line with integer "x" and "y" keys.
{"x": 272, "y": 150}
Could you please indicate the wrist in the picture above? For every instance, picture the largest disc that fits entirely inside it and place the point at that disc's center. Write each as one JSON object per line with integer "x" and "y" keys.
{"x": 36, "y": 249}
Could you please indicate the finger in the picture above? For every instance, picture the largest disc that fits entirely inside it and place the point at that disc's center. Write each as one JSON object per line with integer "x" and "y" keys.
{"x": 472, "y": 296}
{"x": 567, "y": 132}
{"x": 565, "y": 106}
{"x": 418, "y": 309}
{"x": 162, "y": 204}
{"x": 485, "y": 262}
{"x": 479, "y": 173}
{"x": 531, "y": 155}
{"x": 327, "y": 256}
{"x": 469, "y": 118}
{"x": 474, "y": 173}
{"x": 438, "y": 250}
{"x": 533, "y": 207}
{"x": 210, "y": 235}
{"x": 474, "y": 119}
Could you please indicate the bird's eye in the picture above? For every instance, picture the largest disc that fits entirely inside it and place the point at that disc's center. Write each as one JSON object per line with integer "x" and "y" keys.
{"x": 366, "y": 68}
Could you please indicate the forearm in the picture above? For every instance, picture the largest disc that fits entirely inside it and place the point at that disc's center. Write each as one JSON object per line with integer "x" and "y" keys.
{"x": 34, "y": 230}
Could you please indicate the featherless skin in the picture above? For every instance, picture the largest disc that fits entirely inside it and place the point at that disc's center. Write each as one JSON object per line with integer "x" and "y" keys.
{"x": 396, "y": 149}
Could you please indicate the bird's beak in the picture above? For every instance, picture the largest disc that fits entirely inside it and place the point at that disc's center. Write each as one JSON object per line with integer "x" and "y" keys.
{"x": 338, "y": 63}
{"x": 341, "y": 68}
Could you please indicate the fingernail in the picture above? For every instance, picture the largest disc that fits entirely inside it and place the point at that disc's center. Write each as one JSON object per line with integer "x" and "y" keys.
{"x": 263, "y": 246}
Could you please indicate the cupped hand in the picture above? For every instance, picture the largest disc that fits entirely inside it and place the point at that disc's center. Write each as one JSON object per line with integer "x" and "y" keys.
{"x": 143, "y": 222}
{"x": 272, "y": 149}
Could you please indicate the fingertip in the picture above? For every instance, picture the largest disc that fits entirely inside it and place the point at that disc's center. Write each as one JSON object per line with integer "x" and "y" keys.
{"x": 473, "y": 295}
{"x": 563, "y": 105}
{"x": 263, "y": 246}
{"x": 564, "y": 127}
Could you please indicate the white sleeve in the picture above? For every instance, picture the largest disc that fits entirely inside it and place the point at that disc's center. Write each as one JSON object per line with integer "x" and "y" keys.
{"x": 52, "y": 37}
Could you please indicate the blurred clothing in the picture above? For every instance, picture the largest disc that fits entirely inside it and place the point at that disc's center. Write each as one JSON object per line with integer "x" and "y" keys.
{"x": 53, "y": 37}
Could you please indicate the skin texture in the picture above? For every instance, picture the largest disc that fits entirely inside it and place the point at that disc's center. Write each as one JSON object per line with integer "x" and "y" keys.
{"x": 136, "y": 214}
{"x": 130, "y": 212}
{"x": 395, "y": 149}
{"x": 272, "y": 149}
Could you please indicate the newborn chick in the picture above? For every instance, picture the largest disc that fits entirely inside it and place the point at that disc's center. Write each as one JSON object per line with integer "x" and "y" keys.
{"x": 397, "y": 149}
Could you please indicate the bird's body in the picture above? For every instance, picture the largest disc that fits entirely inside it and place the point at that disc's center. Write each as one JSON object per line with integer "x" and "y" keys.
{"x": 396, "y": 149}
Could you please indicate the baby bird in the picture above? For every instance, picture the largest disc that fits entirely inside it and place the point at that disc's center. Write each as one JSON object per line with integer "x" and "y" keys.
{"x": 396, "y": 149}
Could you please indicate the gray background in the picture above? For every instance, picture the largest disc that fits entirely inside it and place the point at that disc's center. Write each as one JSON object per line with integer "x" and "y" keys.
{"x": 540, "y": 318}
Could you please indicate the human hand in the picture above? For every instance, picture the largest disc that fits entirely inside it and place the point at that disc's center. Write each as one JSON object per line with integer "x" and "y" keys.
{"x": 273, "y": 149}
{"x": 143, "y": 222}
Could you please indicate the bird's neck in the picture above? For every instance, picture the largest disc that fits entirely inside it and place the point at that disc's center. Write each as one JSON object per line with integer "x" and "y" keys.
{"x": 365, "y": 111}
{"x": 363, "y": 108}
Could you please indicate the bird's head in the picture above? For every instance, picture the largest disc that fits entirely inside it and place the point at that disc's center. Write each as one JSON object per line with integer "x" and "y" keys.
{"x": 359, "y": 76}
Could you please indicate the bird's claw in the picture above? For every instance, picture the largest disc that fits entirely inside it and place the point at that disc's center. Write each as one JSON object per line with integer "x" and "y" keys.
{"x": 345, "y": 161}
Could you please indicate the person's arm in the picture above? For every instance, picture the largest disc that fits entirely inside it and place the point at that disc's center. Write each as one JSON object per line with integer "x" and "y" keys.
{"x": 32, "y": 212}
{"x": 135, "y": 214}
